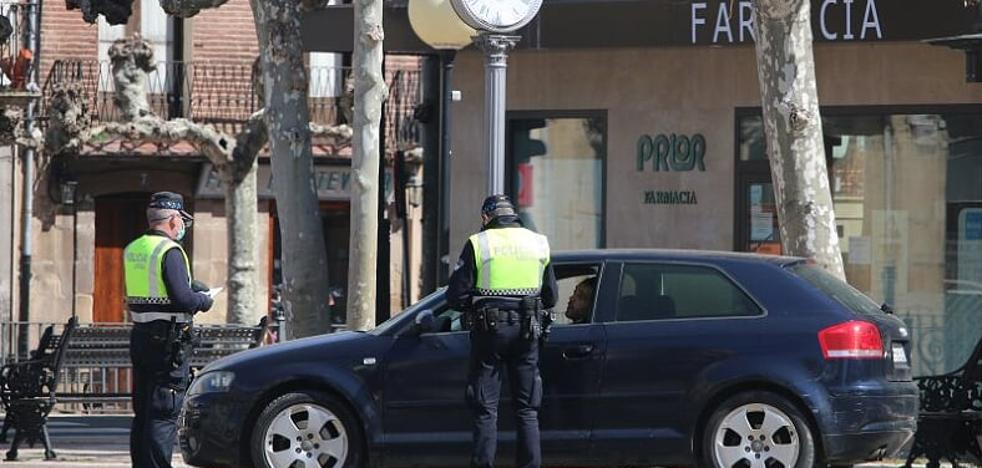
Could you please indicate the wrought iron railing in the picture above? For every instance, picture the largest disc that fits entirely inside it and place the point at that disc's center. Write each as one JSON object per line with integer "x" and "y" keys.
{"x": 224, "y": 95}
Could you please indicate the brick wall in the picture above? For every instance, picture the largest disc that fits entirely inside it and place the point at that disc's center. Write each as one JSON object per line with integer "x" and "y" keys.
{"x": 65, "y": 35}
{"x": 226, "y": 34}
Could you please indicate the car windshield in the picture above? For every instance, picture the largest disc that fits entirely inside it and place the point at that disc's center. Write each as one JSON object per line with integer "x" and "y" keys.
{"x": 836, "y": 288}
{"x": 395, "y": 322}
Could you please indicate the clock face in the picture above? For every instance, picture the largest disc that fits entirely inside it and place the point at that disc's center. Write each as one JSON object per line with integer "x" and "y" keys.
{"x": 496, "y": 15}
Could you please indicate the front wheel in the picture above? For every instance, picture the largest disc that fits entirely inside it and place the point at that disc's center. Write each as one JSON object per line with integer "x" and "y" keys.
{"x": 306, "y": 429}
{"x": 758, "y": 430}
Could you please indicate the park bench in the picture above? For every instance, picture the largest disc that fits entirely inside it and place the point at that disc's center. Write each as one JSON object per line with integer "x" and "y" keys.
{"x": 27, "y": 390}
{"x": 949, "y": 425}
{"x": 90, "y": 365}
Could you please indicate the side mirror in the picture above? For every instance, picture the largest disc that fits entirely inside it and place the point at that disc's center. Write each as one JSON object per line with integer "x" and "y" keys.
{"x": 425, "y": 322}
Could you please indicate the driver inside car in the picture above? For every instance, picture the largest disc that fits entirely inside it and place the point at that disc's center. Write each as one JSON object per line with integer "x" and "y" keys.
{"x": 580, "y": 302}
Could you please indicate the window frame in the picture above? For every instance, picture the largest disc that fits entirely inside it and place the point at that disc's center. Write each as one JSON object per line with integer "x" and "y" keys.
{"x": 595, "y": 307}
{"x": 763, "y": 312}
{"x": 511, "y": 169}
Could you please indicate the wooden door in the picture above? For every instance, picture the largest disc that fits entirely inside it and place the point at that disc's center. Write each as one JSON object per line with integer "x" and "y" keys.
{"x": 118, "y": 220}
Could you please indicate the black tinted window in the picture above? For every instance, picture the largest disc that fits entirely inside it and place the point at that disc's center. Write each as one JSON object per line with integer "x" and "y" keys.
{"x": 663, "y": 291}
{"x": 836, "y": 288}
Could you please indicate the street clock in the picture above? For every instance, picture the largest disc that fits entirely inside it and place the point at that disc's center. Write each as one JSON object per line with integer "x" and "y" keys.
{"x": 496, "y": 16}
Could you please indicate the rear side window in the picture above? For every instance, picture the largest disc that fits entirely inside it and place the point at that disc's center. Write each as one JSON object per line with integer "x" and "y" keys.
{"x": 666, "y": 291}
{"x": 836, "y": 288}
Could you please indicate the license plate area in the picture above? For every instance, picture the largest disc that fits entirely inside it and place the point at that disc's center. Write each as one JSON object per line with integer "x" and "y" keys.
{"x": 899, "y": 355}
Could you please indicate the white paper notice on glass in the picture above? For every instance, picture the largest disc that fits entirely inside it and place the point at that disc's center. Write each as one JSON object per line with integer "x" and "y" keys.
{"x": 761, "y": 225}
{"x": 860, "y": 250}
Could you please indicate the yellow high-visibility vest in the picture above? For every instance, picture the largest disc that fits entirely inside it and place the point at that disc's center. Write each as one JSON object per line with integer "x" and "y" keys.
{"x": 509, "y": 261}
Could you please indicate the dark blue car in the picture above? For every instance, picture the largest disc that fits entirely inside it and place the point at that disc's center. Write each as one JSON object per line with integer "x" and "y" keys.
{"x": 685, "y": 358}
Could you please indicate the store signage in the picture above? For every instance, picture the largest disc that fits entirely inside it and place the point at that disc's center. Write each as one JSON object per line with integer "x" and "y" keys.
{"x": 676, "y": 153}
{"x": 670, "y": 197}
{"x": 671, "y": 153}
{"x": 727, "y": 22}
{"x": 333, "y": 182}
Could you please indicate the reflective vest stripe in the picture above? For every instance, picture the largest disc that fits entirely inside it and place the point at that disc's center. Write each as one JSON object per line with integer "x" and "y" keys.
{"x": 485, "y": 250}
{"x": 146, "y": 317}
{"x": 156, "y": 269}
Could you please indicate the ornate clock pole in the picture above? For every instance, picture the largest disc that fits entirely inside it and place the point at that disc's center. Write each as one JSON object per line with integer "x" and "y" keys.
{"x": 495, "y": 48}
{"x": 495, "y": 19}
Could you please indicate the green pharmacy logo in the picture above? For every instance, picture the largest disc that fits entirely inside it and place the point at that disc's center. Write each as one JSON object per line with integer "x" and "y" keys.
{"x": 675, "y": 153}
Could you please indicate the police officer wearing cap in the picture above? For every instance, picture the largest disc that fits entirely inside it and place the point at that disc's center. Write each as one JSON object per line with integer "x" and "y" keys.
{"x": 162, "y": 303}
{"x": 505, "y": 282}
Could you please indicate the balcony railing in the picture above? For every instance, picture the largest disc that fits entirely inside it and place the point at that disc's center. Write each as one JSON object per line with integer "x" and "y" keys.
{"x": 16, "y": 62}
{"x": 224, "y": 95}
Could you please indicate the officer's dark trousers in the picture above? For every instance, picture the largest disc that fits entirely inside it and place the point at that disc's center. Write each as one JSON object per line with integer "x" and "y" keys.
{"x": 158, "y": 392}
{"x": 492, "y": 352}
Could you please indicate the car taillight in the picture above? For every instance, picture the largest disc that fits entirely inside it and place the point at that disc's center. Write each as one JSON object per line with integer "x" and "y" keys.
{"x": 851, "y": 340}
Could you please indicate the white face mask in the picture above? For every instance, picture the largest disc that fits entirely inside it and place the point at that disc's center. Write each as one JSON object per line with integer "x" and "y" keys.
{"x": 182, "y": 231}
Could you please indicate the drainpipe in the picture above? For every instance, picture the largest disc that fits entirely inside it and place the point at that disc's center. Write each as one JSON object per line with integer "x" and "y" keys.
{"x": 33, "y": 42}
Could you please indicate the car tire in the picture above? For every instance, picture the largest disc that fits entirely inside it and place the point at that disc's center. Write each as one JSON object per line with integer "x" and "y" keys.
{"x": 283, "y": 432}
{"x": 758, "y": 426}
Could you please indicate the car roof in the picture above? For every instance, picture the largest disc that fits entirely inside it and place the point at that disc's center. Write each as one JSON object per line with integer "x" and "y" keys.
{"x": 710, "y": 256}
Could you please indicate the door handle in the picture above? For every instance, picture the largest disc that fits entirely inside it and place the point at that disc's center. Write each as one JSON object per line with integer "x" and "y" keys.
{"x": 578, "y": 352}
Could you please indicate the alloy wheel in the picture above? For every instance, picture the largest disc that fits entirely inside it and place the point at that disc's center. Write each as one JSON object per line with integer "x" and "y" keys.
{"x": 756, "y": 436}
{"x": 305, "y": 436}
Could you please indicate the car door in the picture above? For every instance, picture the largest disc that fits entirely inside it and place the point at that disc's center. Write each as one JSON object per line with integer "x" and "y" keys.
{"x": 426, "y": 418}
{"x": 571, "y": 365}
{"x": 671, "y": 322}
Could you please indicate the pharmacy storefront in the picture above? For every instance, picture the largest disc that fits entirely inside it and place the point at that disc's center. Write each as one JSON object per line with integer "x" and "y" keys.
{"x": 653, "y": 138}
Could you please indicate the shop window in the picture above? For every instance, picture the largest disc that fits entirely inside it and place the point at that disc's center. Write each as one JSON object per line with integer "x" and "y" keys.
{"x": 662, "y": 292}
{"x": 908, "y": 201}
{"x": 556, "y": 175}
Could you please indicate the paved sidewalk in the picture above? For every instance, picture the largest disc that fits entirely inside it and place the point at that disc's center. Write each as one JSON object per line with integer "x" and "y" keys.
{"x": 83, "y": 441}
{"x": 90, "y": 441}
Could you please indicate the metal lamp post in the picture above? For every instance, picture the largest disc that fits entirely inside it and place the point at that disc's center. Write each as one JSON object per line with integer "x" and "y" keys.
{"x": 495, "y": 48}
{"x": 496, "y": 19}
{"x": 437, "y": 25}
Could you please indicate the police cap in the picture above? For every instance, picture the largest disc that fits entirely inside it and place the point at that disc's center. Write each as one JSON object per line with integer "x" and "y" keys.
{"x": 497, "y": 205}
{"x": 169, "y": 201}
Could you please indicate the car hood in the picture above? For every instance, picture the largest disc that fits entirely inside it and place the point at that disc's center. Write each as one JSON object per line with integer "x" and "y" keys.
{"x": 331, "y": 345}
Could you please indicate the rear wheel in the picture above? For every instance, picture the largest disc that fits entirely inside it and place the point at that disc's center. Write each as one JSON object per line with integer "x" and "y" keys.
{"x": 306, "y": 429}
{"x": 758, "y": 430}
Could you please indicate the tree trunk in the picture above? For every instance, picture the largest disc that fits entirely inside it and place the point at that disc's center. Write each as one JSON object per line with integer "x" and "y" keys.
{"x": 793, "y": 126}
{"x": 241, "y": 214}
{"x": 304, "y": 257}
{"x": 365, "y": 161}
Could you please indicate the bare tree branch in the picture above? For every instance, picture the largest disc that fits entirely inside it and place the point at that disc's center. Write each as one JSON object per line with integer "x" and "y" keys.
{"x": 188, "y": 8}
{"x": 115, "y": 11}
{"x": 68, "y": 117}
{"x": 132, "y": 60}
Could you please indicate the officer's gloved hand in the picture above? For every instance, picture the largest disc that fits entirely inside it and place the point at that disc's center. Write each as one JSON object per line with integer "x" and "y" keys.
{"x": 207, "y": 304}
{"x": 198, "y": 286}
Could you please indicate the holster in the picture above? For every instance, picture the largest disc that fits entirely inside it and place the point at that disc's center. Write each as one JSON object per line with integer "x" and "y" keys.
{"x": 179, "y": 343}
{"x": 532, "y": 320}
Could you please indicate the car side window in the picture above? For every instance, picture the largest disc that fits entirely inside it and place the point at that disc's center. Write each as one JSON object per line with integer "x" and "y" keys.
{"x": 576, "y": 298}
{"x": 669, "y": 291}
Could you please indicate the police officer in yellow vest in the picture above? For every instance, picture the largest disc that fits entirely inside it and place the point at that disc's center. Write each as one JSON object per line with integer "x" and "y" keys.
{"x": 161, "y": 304}
{"x": 504, "y": 281}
